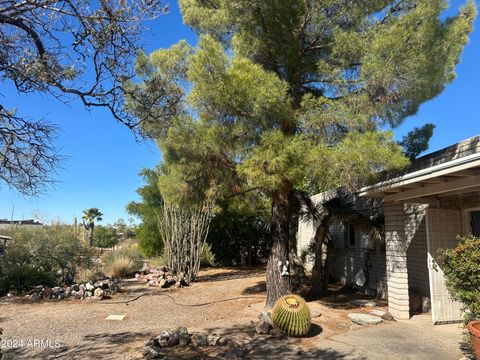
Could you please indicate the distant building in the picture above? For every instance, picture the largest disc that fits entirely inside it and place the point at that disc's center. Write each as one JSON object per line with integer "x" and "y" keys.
{"x": 5, "y": 224}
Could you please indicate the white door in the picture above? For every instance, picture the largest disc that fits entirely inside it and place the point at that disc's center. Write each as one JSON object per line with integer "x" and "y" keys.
{"x": 443, "y": 227}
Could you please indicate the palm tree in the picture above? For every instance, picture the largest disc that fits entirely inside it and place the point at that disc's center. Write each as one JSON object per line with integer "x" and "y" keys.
{"x": 90, "y": 216}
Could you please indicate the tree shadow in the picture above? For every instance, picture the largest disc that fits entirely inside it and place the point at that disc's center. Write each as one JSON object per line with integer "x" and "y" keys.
{"x": 259, "y": 288}
{"x": 250, "y": 345}
{"x": 230, "y": 275}
{"x": 339, "y": 296}
{"x": 92, "y": 346}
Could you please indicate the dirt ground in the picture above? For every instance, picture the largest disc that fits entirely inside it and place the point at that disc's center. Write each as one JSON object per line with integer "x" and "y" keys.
{"x": 223, "y": 301}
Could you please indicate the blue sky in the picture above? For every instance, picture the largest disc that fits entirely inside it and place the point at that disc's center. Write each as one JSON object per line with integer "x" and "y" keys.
{"x": 103, "y": 158}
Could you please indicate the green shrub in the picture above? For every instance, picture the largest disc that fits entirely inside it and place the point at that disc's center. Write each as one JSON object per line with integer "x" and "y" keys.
{"x": 105, "y": 236}
{"x": 462, "y": 274}
{"x": 207, "y": 258}
{"x": 47, "y": 249}
{"x": 24, "y": 279}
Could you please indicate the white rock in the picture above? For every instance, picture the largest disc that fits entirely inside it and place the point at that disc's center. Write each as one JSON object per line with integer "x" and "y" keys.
{"x": 364, "y": 319}
{"x": 89, "y": 287}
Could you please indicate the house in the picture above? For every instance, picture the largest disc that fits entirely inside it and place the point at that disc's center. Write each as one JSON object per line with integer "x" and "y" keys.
{"x": 6, "y": 224}
{"x": 425, "y": 208}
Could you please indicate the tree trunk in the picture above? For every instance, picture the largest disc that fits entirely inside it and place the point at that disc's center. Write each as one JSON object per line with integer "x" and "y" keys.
{"x": 321, "y": 267}
{"x": 278, "y": 285}
{"x": 90, "y": 235}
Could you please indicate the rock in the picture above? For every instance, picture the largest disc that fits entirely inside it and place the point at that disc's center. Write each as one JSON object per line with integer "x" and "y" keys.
{"x": 364, "y": 319}
{"x": 212, "y": 339}
{"x": 198, "y": 340}
{"x": 47, "y": 293}
{"x": 184, "y": 340}
{"x": 99, "y": 293}
{"x": 89, "y": 287}
{"x": 170, "y": 280}
{"x": 163, "y": 283}
{"x": 61, "y": 296}
{"x": 174, "y": 339}
{"x": 363, "y": 303}
{"x": 88, "y": 294}
{"x": 182, "y": 330}
{"x": 56, "y": 290}
{"x": 263, "y": 327}
{"x": 387, "y": 316}
{"x": 68, "y": 291}
{"x": 39, "y": 288}
{"x": 379, "y": 313}
{"x": 163, "y": 342}
{"x": 36, "y": 296}
{"x": 9, "y": 295}
{"x": 265, "y": 316}
{"x": 75, "y": 287}
{"x": 81, "y": 292}
{"x": 178, "y": 285}
{"x": 151, "y": 352}
{"x": 315, "y": 313}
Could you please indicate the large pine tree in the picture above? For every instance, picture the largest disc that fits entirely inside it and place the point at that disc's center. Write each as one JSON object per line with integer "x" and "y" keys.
{"x": 285, "y": 96}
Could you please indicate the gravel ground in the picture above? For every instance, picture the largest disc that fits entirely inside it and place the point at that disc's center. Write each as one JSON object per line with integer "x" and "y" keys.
{"x": 224, "y": 301}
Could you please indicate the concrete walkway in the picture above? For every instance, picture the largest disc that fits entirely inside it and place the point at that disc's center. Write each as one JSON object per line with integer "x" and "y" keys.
{"x": 412, "y": 339}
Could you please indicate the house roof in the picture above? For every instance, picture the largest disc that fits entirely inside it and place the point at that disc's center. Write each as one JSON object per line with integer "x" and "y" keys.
{"x": 454, "y": 169}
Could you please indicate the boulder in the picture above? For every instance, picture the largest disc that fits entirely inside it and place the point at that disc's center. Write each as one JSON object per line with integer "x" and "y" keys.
{"x": 174, "y": 339}
{"x": 47, "y": 293}
{"x": 265, "y": 316}
{"x": 387, "y": 316}
{"x": 364, "y": 319}
{"x": 99, "y": 293}
{"x": 198, "y": 340}
{"x": 212, "y": 339}
{"x": 56, "y": 290}
{"x": 36, "y": 296}
{"x": 263, "y": 327}
{"x": 184, "y": 339}
{"x": 182, "y": 330}
{"x": 89, "y": 287}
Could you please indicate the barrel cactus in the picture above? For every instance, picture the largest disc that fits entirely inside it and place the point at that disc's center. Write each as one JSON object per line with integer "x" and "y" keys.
{"x": 292, "y": 315}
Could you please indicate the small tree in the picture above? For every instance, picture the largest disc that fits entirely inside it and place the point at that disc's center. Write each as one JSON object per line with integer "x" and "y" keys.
{"x": 149, "y": 239}
{"x": 90, "y": 216}
{"x": 185, "y": 231}
{"x": 462, "y": 274}
{"x": 105, "y": 236}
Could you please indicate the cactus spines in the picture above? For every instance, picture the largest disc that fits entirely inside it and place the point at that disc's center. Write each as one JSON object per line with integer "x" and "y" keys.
{"x": 292, "y": 315}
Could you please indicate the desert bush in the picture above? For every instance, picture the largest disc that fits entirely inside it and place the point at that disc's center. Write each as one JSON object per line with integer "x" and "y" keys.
{"x": 24, "y": 279}
{"x": 123, "y": 262}
{"x": 207, "y": 258}
{"x": 105, "y": 236}
{"x": 53, "y": 250}
{"x": 462, "y": 274}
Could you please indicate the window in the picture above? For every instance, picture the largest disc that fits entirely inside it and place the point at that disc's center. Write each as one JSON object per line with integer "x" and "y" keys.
{"x": 349, "y": 236}
{"x": 475, "y": 223}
